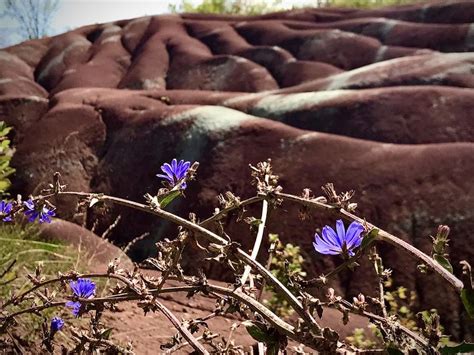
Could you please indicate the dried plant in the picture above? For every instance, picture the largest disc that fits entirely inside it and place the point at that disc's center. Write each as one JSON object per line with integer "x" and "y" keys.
{"x": 282, "y": 276}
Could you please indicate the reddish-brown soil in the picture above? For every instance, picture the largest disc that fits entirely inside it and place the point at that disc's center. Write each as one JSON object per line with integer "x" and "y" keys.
{"x": 148, "y": 333}
{"x": 378, "y": 101}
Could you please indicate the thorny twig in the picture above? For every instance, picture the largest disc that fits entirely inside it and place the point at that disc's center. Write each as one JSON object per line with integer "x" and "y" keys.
{"x": 271, "y": 250}
{"x": 222, "y": 213}
{"x": 382, "y": 235}
{"x": 249, "y": 301}
{"x": 183, "y": 330}
{"x": 214, "y": 238}
{"x": 109, "y": 230}
{"x": 185, "y": 343}
{"x": 324, "y": 278}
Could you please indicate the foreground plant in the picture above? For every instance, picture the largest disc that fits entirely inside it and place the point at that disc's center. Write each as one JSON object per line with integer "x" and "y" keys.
{"x": 244, "y": 297}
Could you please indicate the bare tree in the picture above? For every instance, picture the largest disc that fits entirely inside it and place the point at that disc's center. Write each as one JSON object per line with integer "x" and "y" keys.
{"x": 34, "y": 16}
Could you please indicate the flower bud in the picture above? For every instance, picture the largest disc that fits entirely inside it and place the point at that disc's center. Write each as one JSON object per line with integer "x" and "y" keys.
{"x": 351, "y": 207}
{"x": 443, "y": 232}
{"x": 56, "y": 324}
{"x": 331, "y": 293}
{"x": 359, "y": 301}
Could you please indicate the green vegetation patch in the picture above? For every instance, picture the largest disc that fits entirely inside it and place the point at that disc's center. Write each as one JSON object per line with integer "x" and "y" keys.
{"x": 22, "y": 245}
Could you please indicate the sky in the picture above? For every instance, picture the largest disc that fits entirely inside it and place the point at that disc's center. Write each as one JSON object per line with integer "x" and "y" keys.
{"x": 76, "y": 13}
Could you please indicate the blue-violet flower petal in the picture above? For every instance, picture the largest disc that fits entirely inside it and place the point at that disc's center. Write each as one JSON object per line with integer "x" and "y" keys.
{"x": 340, "y": 241}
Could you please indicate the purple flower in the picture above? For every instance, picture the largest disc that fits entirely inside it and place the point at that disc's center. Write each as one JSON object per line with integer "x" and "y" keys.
{"x": 42, "y": 213}
{"x": 5, "y": 209}
{"x": 56, "y": 324}
{"x": 342, "y": 242}
{"x": 175, "y": 172}
{"x": 82, "y": 288}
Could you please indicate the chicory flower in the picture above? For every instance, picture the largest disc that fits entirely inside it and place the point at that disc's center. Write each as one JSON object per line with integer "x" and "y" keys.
{"x": 5, "y": 209}
{"x": 340, "y": 241}
{"x": 33, "y": 212}
{"x": 82, "y": 288}
{"x": 56, "y": 324}
{"x": 175, "y": 172}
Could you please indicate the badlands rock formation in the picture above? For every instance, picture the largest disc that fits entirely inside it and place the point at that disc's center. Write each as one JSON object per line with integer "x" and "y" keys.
{"x": 378, "y": 101}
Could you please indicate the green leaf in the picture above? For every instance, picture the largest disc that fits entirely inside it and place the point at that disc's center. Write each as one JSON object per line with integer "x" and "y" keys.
{"x": 369, "y": 238}
{"x": 167, "y": 198}
{"x": 467, "y": 297}
{"x": 392, "y": 350}
{"x": 4, "y": 130}
{"x": 444, "y": 262}
{"x": 231, "y": 309}
{"x": 273, "y": 238}
{"x": 105, "y": 334}
{"x": 273, "y": 349}
{"x": 4, "y": 164}
{"x": 5, "y": 144}
{"x": 5, "y": 185}
{"x": 6, "y": 173}
{"x": 255, "y": 222}
{"x": 258, "y": 332}
{"x": 458, "y": 349}
{"x": 5, "y": 156}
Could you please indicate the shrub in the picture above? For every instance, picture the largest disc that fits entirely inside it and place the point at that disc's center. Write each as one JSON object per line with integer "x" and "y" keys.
{"x": 6, "y": 153}
{"x": 259, "y": 7}
{"x": 76, "y": 292}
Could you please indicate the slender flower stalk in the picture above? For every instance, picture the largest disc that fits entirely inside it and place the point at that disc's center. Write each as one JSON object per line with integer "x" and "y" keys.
{"x": 258, "y": 239}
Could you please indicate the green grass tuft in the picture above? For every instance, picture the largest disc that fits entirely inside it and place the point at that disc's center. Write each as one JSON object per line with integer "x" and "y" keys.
{"x": 24, "y": 244}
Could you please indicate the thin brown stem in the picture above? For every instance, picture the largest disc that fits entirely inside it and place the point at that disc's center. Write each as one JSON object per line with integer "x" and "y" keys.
{"x": 176, "y": 257}
{"x": 8, "y": 268}
{"x": 420, "y": 340}
{"x": 271, "y": 250}
{"x": 338, "y": 269}
{"x": 382, "y": 298}
{"x": 221, "y": 214}
{"x": 109, "y": 230}
{"x": 33, "y": 310}
{"x": 379, "y": 269}
{"x": 253, "y": 304}
{"x": 182, "y": 329}
{"x": 20, "y": 297}
{"x": 183, "y": 344}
